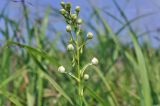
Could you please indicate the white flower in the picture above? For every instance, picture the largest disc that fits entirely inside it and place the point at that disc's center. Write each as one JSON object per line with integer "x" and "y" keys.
{"x": 70, "y": 47}
{"x": 94, "y": 61}
{"x": 61, "y": 69}
{"x": 86, "y": 76}
{"x": 89, "y": 35}
{"x": 68, "y": 28}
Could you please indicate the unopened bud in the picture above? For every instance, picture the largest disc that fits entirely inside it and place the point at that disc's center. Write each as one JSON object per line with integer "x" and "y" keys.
{"x": 86, "y": 76}
{"x": 79, "y": 21}
{"x": 94, "y": 61}
{"x": 68, "y": 28}
{"x": 63, "y": 11}
{"x": 68, "y": 5}
{"x": 74, "y": 16}
{"x": 77, "y": 9}
{"x": 63, "y": 4}
{"x": 70, "y": 47}
{"x": 61, "y": 69}
{"x": 89, "y": 35}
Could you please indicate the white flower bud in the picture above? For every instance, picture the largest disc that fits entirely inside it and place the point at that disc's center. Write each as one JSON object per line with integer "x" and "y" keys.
{"x": 86, "y": 76}
{"x": 89, "y": 35}
{"x": 74, "y": 16}
{"x": 70, "y": 47}
{"x": 61, "y": 69}
{"x": 77, "y": 8}
{"x": 63, "y": 4}
{"x": 79, "y": 21}
{"x": 63, "y": 11}
{"x": 94, "y": 61}
{"x": 68, "y": 28}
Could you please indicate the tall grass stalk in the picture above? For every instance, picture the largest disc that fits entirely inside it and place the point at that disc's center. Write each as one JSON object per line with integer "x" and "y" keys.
{"x": 146, "y": 91}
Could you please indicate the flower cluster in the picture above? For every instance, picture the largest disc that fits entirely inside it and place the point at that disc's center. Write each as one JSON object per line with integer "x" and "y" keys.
{"x": 73, "y": 21}
{"x": 76, "y": 44}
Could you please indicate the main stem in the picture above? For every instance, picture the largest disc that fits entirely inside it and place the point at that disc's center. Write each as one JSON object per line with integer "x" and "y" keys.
{"x": 78, "y": 70}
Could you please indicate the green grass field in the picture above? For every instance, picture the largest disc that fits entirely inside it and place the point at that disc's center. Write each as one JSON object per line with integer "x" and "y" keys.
{"x": 126, "y": 74}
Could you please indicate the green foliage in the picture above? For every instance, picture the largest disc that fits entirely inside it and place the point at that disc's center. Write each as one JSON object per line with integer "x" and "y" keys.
{"x": 29, "y": 75}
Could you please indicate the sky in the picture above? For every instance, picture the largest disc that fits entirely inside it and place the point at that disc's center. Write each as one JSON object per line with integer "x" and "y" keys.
{"x": 132, "y": 9}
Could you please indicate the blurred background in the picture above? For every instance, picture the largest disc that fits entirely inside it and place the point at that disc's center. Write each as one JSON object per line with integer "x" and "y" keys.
{"x": 33, "y": 42}
{"x": 146, "y": 10}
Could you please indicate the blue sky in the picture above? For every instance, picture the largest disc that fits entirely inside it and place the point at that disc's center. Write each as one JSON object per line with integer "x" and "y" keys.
{"x": 132, "y": 8}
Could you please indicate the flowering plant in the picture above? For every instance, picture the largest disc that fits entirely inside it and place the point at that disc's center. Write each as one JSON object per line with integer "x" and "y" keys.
{"x": 76, "y": 45}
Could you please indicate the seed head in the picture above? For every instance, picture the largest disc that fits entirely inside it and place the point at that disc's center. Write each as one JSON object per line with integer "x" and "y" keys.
{"x": 94, "y": 61}
{"x": 86, "y": 76}
{"x": 61, "y": 69}
{"x": 70, "y": 47}
{"x": 79, "y": 21}
{"x": 89, "y": 35}
{"x": 68, "y": 28}
{"x": 77, "y": 9}
{"x": 63, "y": 11}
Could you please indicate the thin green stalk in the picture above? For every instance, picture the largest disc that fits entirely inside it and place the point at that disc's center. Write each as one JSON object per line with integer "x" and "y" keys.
{"x": 78, "y": 70}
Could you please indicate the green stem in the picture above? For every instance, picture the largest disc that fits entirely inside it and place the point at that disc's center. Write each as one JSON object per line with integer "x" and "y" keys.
{"x": 79, "y": 73}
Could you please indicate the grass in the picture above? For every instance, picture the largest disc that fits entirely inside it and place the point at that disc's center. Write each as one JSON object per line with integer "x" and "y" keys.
{"x": 127, "y": 75}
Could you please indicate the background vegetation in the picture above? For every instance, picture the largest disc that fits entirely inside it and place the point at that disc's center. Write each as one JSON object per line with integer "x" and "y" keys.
{"x": 127, "y": 74}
